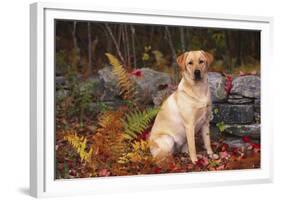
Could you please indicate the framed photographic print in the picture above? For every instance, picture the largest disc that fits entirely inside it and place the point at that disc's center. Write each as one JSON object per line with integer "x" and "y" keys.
{"x": 127, "y": 100}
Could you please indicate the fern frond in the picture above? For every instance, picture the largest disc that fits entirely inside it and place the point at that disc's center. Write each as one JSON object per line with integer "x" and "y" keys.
{"x": 124, "y": 83}
{"x": 137, "y": 121}
{"x": 139, "y": 153}
{"x": 79, "y": 144}
{"x": 109, "y": 139}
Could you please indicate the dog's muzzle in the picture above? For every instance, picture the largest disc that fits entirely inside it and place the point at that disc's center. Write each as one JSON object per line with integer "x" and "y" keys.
{"x": 197, "y": 75}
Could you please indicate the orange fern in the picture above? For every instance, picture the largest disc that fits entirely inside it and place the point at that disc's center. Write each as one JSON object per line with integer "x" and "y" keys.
{"x": 124, "y": 82}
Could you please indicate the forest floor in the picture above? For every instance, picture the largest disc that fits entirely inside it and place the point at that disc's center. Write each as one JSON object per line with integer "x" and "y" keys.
{"x": 70, "y": 165}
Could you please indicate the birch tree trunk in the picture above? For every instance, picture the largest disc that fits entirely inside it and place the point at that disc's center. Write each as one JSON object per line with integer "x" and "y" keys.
{"x": 182, "y": 39}
{"x": 90, "y": 49}
{"x": 133, "y": 45}
{"x": 127, "y": 43}
{"x": 174, "y": 55}
{"x": 77, "y": 60}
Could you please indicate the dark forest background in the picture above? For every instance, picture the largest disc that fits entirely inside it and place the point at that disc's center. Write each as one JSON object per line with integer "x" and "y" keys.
{"x": 84, "y": 45}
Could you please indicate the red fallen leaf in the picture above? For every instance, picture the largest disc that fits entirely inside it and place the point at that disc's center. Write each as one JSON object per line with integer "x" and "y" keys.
{"x": 214, "y": 144}
{"x": 246, "y": 139}
{"x": 212, "y": 169}
{"x": 70, "y": 164}
{"x": 256, "y": 150}
{"x": 221, "y": 167}
{"x": 224, "y": 154}
{"x": 235, "y": 151}
{"x": 104, "y": 172}
{"x": 250, "y": 147}
{"x": 206, "y": 161}
{"x": 157, "y": 170}
{"x": 256, "y": 146}
{"x": 173, "y": 167}
{"x": 72, "y": 173}
{"x": 136, "y": 72}
{"x": 243, "y": 155}
{"x": 202, "y": 162}
{"x": 224, "y": 147}
{"x": 144, "y": 135}
{"x": 190, "y": 166}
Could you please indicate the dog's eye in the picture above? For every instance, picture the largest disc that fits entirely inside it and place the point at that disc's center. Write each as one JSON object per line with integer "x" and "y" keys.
{"x": 190, "y": 62}
{"x": 201, "y": 61}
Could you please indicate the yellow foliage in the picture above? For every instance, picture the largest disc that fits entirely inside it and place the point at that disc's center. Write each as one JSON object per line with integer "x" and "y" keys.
{"x": 140, "y": 153}
{"x": 145, "y": 57}
{"x": 80, "y": 145}
{"x": 125, "y": 84}
{"x": 160, "y": 61}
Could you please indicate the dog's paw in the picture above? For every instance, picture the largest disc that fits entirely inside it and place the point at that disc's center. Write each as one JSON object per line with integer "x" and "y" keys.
{"x": 194, "y": 160}
{"x": 214, "y": 156}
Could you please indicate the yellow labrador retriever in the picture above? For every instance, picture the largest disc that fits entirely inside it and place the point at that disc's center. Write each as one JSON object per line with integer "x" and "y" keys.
{"x": 186, "y": 111}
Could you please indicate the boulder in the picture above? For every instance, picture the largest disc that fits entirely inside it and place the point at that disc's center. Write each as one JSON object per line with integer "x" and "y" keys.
{"x": 250, "y": 130}
{"x": 216, "y": 84}
{"x": 60, "y": 80}
{"x": 239, "y": 99}
{"x": 108, "y": 82}
{"x": 159, "y": 97}
{"x": 257, "y": 105}
{"x": 61, "y": 94}
{"x": 99, "y": 92}
{"x": 147, "y": 85}
{"x": 235, "y": 143}
{"x": 150, "y": 83}
{"x": 247, "y": 86}
{"x": 235, "y": 131}
{"x": 233, "y": 114}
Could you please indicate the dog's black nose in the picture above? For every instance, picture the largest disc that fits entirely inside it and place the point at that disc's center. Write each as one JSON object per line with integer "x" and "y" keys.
{"x": 197, "y": 74}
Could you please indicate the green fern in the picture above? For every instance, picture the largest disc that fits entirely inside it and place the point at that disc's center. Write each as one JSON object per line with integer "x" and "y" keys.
{"x": 137, "y": 121}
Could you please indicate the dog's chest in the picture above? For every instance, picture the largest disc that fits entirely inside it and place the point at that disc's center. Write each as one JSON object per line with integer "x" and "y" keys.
{"x": 202, "y": 117}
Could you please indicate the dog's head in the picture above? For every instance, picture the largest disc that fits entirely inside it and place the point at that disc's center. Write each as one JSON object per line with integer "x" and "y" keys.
{"x": 194, "y": 64}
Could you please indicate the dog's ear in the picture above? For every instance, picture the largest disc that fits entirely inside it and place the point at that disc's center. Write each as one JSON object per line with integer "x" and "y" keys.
{"x": 209, "y": 57}
{"x": 181, "y": 59}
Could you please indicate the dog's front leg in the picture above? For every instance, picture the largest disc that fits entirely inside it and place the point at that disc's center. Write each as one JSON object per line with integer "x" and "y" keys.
{"x": 190, "y": 136}
{"x": 205, "y": 131}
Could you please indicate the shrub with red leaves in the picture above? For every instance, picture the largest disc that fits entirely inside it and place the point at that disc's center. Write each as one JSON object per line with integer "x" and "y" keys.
{"x": 228, "y": 83}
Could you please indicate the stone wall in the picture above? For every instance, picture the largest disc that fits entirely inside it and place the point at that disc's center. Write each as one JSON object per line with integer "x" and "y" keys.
{"x": 237, "y": 111}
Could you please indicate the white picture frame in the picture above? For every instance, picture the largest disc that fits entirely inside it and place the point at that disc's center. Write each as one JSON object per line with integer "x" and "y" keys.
{"x": 42, "y": 180}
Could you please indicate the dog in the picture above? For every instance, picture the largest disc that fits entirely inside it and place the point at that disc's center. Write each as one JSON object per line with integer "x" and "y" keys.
{"x": 186, "y": 111}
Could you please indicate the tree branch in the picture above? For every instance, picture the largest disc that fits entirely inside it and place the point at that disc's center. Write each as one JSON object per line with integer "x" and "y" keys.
{"x": 115, "y": 43}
